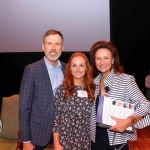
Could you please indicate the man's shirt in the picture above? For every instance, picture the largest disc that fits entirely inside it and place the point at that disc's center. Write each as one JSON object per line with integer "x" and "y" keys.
{"x": 55, "y": 74}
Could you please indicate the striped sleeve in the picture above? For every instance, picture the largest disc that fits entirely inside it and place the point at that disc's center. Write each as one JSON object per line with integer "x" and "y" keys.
{"x": 136, "y": 97}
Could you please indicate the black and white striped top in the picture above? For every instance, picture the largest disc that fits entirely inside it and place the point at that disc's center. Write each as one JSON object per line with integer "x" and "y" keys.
{"x": 122, "y": 87}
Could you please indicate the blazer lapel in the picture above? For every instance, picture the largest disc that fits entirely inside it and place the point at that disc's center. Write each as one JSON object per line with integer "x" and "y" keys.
{"x": 45, "y": 72}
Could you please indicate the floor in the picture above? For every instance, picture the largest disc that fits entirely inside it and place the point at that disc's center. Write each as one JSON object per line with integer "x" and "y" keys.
{"x": 49, "y": 147}
{"x": 143, "y": 141}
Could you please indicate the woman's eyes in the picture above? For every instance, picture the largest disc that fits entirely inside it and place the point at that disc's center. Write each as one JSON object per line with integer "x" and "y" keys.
{"x": 82, "y": 65}
{"x": 101, "y": 58}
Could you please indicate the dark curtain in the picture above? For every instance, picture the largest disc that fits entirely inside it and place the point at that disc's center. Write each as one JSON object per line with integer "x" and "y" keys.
{"x": 130, "y": 32}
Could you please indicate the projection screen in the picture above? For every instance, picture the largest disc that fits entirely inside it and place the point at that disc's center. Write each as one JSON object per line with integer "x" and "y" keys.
{"x": 82, "y": 22}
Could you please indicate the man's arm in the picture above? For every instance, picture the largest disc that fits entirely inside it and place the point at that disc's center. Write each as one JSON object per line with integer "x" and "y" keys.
{"x": 28, "y": 146}
{"x": 25, "y": 103}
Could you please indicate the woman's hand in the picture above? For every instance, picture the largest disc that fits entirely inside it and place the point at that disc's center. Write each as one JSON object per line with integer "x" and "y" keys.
{"x": 121, "y": 124}
{"x": 58, "y": 147}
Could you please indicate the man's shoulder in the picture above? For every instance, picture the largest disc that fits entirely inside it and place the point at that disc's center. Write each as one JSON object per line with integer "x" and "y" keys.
{"x": 63, "y": 63}
{"x": 36, "y": 64}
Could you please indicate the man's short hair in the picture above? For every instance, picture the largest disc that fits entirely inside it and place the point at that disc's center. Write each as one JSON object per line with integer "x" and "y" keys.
{"x": 52, "y": 32}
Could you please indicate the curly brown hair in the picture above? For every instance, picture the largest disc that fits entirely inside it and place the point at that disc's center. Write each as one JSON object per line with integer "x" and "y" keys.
{"x": 68, "y": 82}
{"x": 115, "y": 54}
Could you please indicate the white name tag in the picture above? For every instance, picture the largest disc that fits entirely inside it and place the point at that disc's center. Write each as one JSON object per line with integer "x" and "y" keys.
{"x": 82, "y": 93}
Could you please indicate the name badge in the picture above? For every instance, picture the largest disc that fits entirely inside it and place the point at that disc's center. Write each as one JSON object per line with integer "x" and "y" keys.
{"x": 82, "y": 93}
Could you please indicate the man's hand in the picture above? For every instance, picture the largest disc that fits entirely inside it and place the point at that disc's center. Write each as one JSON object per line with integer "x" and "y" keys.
{"x": 28, "y": 146}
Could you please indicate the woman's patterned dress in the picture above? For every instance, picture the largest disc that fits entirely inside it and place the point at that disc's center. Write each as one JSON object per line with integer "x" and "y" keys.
{"x": 72, "y": 120}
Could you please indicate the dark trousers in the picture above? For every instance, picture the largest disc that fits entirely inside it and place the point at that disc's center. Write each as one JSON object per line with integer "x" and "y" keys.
{"x": 98, "y": 146}
{"x": 39, "y": 147}
{"x": 43, "y": 147}
{"x": 102, "y": 141}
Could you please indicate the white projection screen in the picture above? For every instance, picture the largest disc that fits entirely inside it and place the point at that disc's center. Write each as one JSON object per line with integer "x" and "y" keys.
{"x": 82, "y": 23}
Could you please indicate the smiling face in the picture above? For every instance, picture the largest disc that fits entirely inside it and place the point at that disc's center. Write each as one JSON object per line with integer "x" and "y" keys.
{"x": 52, "y": 47}
{"x": 104, "y": 61}
{"x": 78, "y": 69}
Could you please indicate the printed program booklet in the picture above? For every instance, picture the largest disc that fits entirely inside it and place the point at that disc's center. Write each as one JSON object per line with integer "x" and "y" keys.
{"x": 108, "y": 107}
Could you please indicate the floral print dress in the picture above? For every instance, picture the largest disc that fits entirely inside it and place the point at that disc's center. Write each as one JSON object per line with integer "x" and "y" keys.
{"x": 72, "y": 120}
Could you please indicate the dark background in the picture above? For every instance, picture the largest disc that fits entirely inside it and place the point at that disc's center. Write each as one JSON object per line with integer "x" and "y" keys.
{"x": 130, "y": 32}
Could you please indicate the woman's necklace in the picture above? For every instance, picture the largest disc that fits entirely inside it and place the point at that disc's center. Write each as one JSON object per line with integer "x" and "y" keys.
{"x": 102, "y": 90}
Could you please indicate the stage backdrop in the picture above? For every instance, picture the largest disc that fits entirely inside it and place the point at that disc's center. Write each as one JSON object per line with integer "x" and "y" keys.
{"x": 129, "y": 30}
{"x": 23, "y": 23}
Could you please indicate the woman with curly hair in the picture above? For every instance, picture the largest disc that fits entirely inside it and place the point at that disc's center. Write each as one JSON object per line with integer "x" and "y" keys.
{"x": 74, "y": 100}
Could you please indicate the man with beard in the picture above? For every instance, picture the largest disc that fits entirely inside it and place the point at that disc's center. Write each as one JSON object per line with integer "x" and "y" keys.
{"x": 38, "y": 86}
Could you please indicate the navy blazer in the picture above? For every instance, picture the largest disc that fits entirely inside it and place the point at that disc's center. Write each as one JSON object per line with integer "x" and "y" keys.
{"x": 36, "y": 104}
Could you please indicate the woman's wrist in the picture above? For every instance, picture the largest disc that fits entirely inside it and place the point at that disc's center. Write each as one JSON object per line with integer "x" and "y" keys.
{"x": 133, "y": 119}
